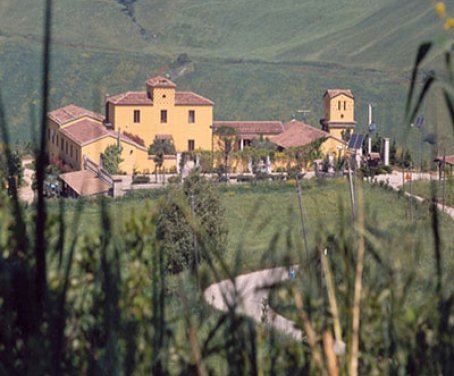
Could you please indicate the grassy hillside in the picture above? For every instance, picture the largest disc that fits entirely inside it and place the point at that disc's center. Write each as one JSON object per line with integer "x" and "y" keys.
{"x": 257, "y": 59}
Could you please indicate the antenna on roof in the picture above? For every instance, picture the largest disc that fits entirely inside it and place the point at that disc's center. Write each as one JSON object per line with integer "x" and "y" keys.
{"x": 304, "y": 113}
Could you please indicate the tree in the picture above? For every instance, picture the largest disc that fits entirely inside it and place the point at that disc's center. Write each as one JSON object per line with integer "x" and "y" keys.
{"x": 190, "y": 222}
{"x": 393, "y": 153}
{"x": 11, "y": 169}
{"x": 301, "y": 155}
{"x": 227, "y": 137}
{"x": 262, "y": 148}
{"x": 159, "y": 148}
{"x": 111, "y": 159}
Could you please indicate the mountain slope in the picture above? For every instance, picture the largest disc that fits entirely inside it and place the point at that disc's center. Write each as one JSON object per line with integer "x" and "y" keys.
{"x": 257, "y": 59}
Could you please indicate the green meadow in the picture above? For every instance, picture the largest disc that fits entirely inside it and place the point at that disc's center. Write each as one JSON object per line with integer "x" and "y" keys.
{"x": 264, "y": 221}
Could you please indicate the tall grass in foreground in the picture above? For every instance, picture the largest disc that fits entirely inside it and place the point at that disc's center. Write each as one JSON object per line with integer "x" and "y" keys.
{"x": 102, "y": 303}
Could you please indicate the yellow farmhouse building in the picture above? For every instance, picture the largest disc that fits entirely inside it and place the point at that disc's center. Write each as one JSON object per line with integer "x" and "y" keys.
{"x": 133, "y": 120}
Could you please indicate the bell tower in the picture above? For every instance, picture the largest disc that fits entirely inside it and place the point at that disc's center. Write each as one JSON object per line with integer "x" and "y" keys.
{"x": 339, "y": 118}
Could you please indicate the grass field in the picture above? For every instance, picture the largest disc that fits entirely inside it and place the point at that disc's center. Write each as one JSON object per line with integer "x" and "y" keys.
{"x": 117, "y": 285}
{"x": 264, "y": 219}
{"x": 429, "y": 190}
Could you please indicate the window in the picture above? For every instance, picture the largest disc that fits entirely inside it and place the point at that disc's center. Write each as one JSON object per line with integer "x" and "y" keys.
{"x": 163, "y": 116}
{"x": 66, "y": 147}
{"x": 191, "y": 145}
{"x": 62, "y": 144}
{"x": 191, "y": 116}
{"x": 53, "y": 136}
{"x": 57, "y": 139}
{"x": 338, "y": 105}
{"x": 71, "y": 151}
{"x": 136, "y": 116}
{"x": 345, "y": 105}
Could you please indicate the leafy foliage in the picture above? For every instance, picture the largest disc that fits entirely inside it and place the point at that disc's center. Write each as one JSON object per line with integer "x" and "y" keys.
{"x": 111, "y": 159}
{"x": 188, "y": 211}
{"x": 11, "y": 169}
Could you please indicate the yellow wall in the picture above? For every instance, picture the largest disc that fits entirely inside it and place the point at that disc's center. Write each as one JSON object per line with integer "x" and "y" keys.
{"x": 62, "y": 148}
{"x": 134, "y": 159}
{"x": 332, "y": 146}
{"x": 337, "y": 132}
{"x": 177, "y": 124}
{"x": 341, "y": 108}
{"x": 52, "y": 132}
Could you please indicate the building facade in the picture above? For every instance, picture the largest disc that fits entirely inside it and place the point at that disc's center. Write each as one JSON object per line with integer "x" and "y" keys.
{"x": 339, "y": 120}
{"x": 133, "y": 120}
{"x": 162, "y": 111}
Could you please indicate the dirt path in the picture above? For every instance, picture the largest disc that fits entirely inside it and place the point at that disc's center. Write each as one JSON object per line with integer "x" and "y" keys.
{"x": 250, "y": 291}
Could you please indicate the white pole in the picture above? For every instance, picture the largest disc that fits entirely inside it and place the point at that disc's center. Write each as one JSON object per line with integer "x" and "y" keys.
{"x": 369, "y": 141}
{"x": 386, "y": 152}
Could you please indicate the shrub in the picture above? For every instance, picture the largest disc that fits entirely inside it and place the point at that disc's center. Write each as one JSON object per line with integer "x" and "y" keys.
{"x": 140, "y": 179}
{"x": 191, "y": 214}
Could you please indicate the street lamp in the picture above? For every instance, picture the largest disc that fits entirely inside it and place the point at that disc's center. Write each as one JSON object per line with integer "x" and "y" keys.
{"x": 419, "y": 122}
{"x": 213, "y": 131}
{"x": 372, "y": 128}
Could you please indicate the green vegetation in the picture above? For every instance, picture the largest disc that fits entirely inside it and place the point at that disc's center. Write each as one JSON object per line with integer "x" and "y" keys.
{"x": 231, "y": 56}
{"x": 111, "y": 159}
{"x": 160, "y": 148}
{"x": 434, "y": 189}
{"x": 122, "y": 307}
{"x": 175, "y": 231}
{"x": 11, "y": 169}
{"x": 81, "y": 298}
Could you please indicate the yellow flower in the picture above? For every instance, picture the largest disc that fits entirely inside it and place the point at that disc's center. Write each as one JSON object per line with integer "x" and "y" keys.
{"x": 441, "y": 9}
{"x": 449, "y": 23}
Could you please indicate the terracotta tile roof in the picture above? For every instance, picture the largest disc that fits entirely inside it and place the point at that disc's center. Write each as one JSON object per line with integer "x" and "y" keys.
{"x": 298, "y": 133}
{"x": 335, "y": 92}
{"x": 251, "y": 129}
{"x": 131, "y": 97}
{"x": 189, "y": 98}
{"x": 182, "y": 98}
{"x": 160, "y": 81}
{"x": 85, "y": 183}
{"x": 85, "y": 131}
{"x": 72, "y": 112}
{"x": 449, "y": 159}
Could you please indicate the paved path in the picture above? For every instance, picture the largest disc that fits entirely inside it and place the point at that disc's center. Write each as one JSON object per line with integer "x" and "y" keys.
{"x": 395, "y": 181}
{"x": 250, "y": 291}
{"x": 25, "y": 191}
